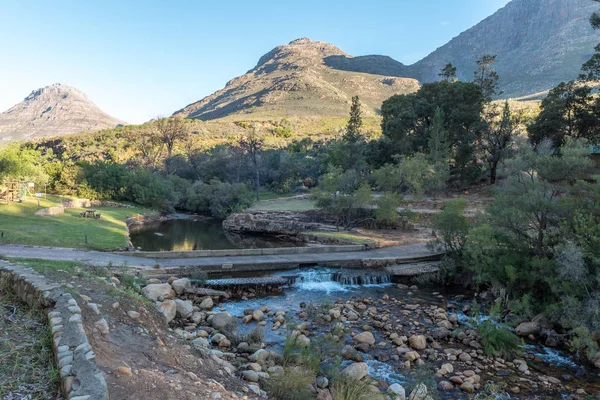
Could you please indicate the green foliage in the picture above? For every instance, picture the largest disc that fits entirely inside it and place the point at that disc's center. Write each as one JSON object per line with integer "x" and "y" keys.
{"x": 218, "y": 199}
{"x": 22, "y": 163}
{"x": 353, "y": 130}
{"x": 408, "y": 121}
{"x": 387, "y": 209}
{"x": 497, "y": 339}
{"x": 486, "y": 78}
{"x": 583, "y": 342}
{"x": 293, "y": 384}
{"x": 453, "y": 226}
{"x": 569, "y": 111}
{"x": 413, "y": 174}
{"x": 497, "y": 137}
{"x": 448, "y": 73}
{"x": 439, "y": 147}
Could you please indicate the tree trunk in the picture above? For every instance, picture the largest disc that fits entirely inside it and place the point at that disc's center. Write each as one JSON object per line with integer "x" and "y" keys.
{"x": 493, "y": 168}
{"x": 257, "y": 183}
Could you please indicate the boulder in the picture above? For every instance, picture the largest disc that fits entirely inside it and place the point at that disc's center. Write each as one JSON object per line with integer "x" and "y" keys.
{"x": 528, "y": 328}
{"x": 158, "y": 291}
{"x": 185, "y": 308}
{"x": 356, "y": 371}
{"x": 51, "y": 211}
{"x": 181, "y": 285}
{"x": 349, "y": 353}
{"x": 250, "y": 376}
{"x": 397, "y": 392}
{"x": 201, "y": 343}
{"x": 418, "y": 342}
{"x": 221, "y": 320}
{"x": 365, "y": 338}
{"x": 168, "y": 308}
{"x": 418, "y": 393}
{"x": 258, "y": 315}
{"x": 207, "y": 304}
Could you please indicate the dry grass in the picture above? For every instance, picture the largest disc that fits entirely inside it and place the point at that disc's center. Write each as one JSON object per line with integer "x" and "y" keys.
{"x": 27, "y": 368}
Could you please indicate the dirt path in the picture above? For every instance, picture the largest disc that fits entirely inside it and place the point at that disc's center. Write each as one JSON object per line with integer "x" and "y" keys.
{"x": 103, "y": 259}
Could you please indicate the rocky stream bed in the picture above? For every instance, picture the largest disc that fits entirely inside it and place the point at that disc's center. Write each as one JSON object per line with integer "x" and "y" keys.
{"x": 400, "y": 341}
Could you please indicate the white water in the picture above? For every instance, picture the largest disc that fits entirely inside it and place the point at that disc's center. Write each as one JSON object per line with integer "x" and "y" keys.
{"x": 327, "y": 280}
{"x": 551, "y": 356}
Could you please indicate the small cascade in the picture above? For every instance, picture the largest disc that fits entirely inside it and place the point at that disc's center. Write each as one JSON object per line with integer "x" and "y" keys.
{"x": 332, "y": 280}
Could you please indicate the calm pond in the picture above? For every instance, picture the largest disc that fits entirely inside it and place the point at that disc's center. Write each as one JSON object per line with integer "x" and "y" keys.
{"x": 202, "y": 234}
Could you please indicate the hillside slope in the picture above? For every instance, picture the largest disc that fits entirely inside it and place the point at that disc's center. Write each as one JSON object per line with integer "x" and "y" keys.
{"x": 52, "y": 111}
{"x": 295, "y": 80}
{"x": 539, "y": 43}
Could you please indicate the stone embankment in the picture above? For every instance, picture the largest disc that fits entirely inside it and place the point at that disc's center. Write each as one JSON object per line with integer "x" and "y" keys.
{"x": 80, "y": 377}
{"x": 282, "y": 223}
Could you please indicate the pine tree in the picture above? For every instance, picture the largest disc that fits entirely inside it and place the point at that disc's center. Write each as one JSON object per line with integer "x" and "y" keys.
{"x": 438, "y": 141}
{"x": 353, "y": 132}
{"x": 486, "y": 78}
{"x": 448, "y": 73}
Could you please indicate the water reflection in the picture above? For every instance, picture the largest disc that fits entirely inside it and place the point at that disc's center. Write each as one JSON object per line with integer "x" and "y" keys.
{"x": 205, "y": 234}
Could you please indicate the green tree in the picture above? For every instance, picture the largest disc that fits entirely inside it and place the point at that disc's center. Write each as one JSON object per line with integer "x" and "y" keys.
{"x": 497, "y": 137}
{"x": 252, "y": 144}
{"x": 408, "y": 120}
{"x": 567, "y": 112}
{"x": 486, "y": 78}
{"x": 353, "y": 129}
{"x": 448, "y": 73}
{"x": 439, "y": 151}
{"x": 171, "y": 131}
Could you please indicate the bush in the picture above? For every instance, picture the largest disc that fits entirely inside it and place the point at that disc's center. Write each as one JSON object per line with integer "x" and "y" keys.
{"x": 344, "y": 388}
{"x": 293, "y": 384}
{"x": 496, "y": 339}
{"x": 453, "y": 226}
{"x": 218, "y": 199}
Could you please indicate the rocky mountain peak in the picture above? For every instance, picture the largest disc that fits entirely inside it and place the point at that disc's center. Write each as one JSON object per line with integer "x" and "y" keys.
{"x": 53, "y": 110}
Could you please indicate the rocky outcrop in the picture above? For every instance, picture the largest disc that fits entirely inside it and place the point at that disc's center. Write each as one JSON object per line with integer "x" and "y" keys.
{"x": 52, "y": 111}
{"x": 285, "y": 223}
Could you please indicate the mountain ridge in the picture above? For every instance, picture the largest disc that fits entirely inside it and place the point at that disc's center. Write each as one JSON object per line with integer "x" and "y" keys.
{"x": 53, "y": 110}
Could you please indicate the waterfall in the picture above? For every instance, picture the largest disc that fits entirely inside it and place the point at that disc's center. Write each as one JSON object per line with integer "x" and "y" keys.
{"x": 328, "y": 279}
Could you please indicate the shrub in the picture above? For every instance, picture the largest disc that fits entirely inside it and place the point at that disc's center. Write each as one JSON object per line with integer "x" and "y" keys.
{"x": 344, "y": 388}
{"x": 293, "y": 384}
{"x": 217, "y": 198}
{"x": 496, "y": 338}
{"x": 453, "y": 226}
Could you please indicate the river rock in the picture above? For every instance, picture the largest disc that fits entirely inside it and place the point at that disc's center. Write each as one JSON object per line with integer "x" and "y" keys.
{"x": 258, "y": 315}
{"x": 201, "y": 343}
{"x": 250, "y": 376}
{"x": 527, "y": 328}
{"x": 322, "y": 382}
{"x": 185, "y": 308}
{"x": 418, "y": 393}
{"x": 467, "y": 387}
{"x": 417, "y": 342}
{"x": 102, "y": 326}
{"x": 349, "y": 353}
{"x": 440, "y": 333}
{"x": 221, "y": 320}
{"x": 207, "y": 304}
{"x": 181, "y": 285}
{"x": 259, "y": 355}
{"x": 302, "y": 341}
{"x": 133, "y": 314}
{"x": 356, "y": 371}
{"x": 365, "y": 338}
{"x": 397, "y": 392}
{"x": 217, "y": 337}
{"x": 168, "y": 308}
{"x": 324, "y": 394}
{"x": 445, "y": 386}
{"x": 159, "y": 291}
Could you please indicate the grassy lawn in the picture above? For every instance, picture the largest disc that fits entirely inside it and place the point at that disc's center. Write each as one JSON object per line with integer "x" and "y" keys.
{"x": 27, "y": 370}
{"x": 21, "y": 226}
{"x": 283, "y": 204}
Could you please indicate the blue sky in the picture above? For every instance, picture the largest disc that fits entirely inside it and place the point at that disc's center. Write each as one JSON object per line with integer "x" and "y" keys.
{"x": 139, "y": 59}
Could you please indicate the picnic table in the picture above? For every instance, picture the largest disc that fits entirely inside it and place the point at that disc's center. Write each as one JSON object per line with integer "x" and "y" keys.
{"x": 89, "y": 214}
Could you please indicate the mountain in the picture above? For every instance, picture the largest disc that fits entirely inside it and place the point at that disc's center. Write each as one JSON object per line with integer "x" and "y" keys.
{"x": 295, "y": 79}
{"x": 538, "y": 43}
{"x": 51, "y": 111}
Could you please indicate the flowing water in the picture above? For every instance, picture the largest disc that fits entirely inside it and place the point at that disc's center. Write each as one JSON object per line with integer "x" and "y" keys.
{"x": 322, "y": 286}
{"x": 197, "y": 234}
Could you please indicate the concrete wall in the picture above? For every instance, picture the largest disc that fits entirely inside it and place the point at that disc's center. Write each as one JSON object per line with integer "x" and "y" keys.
{"x": 243, "y": 252}
{"x": 80, "y": 377}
